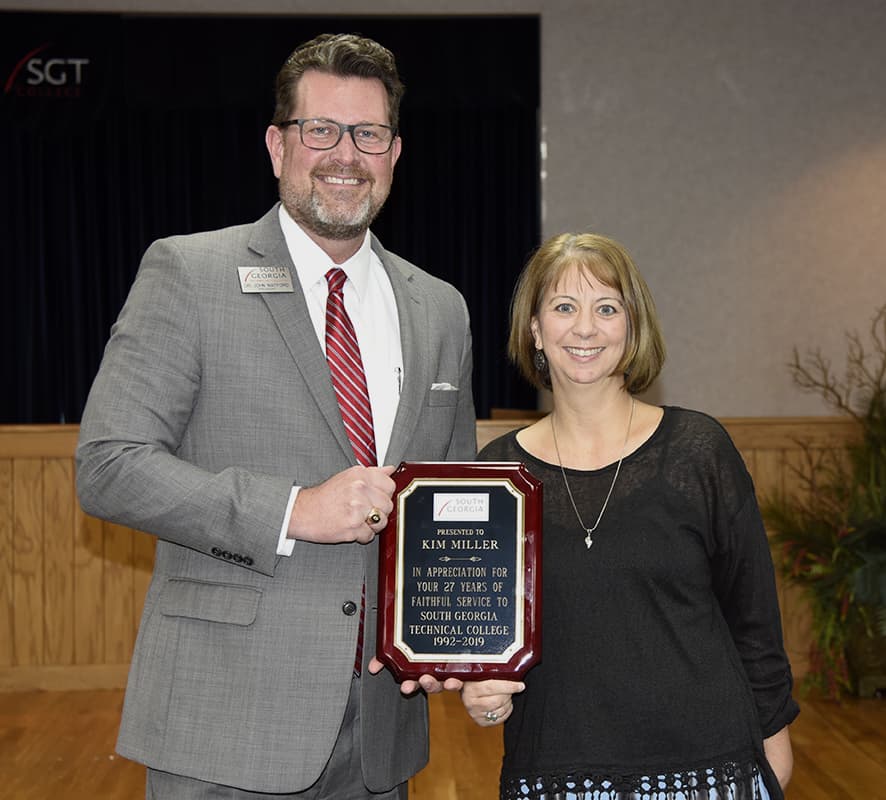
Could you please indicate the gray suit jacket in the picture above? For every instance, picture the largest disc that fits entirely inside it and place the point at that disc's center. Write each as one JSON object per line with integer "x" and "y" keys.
{"x": 208, "y": 406}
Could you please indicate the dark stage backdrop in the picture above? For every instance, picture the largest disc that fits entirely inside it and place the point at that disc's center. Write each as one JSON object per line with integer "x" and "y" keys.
{"x": 119, "y": 129}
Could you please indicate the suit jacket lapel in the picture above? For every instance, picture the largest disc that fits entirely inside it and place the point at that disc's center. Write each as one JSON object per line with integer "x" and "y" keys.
{"x": 290, "y": 314}
{"x": 412, "y": 312}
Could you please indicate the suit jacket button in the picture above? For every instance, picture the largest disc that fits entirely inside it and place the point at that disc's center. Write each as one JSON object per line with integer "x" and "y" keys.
{"x": 349, "y": 608}
{"x": 247, "y": 560}
{"x": 216, "y": 551}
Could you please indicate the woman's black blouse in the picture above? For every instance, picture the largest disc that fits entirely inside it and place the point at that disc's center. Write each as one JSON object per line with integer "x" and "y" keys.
{"x": 662, "y": 651}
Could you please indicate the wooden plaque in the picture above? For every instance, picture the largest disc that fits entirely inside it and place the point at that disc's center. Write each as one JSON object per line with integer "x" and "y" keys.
{"x": 460, "y": 571}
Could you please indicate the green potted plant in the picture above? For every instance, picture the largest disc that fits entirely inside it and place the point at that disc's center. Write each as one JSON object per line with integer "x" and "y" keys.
{"x": 828, "y": 536}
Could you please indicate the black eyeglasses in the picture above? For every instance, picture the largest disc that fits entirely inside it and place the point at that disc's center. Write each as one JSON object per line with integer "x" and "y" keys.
{"x": 324, "y": 134}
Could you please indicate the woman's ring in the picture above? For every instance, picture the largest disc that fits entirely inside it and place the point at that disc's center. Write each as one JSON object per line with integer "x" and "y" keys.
{"x": 373, "y": 517}
{"x": 492, "y": 716}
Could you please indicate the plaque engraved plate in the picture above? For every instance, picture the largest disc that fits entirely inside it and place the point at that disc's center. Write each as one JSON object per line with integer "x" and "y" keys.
{"x": 460, "y": 571}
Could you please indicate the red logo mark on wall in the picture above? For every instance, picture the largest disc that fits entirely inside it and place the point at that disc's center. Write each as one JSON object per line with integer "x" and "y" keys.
{"x": 37, "y": 75}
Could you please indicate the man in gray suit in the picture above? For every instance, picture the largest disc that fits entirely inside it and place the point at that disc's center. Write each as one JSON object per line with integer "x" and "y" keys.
{"x": 213, "y": 424}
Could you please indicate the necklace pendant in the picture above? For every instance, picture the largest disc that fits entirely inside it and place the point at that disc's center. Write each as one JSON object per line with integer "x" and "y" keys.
{"x": 588, "y": 540}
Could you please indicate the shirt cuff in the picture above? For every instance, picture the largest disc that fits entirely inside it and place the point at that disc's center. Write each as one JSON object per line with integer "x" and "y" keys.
{"x": 285, "y": 545}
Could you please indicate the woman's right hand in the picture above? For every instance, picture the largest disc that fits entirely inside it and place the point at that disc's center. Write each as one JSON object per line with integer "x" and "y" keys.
{"x": 490, "y": 702}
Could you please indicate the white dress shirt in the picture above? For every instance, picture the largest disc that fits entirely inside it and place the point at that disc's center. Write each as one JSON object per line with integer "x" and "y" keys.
{"x": 370, "y": 303}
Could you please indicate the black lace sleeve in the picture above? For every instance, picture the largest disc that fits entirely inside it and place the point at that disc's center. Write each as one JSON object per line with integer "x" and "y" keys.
{"x": 744, "y": 581}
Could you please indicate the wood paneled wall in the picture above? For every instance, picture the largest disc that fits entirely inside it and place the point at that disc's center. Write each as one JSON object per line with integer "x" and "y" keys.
{"x": 72, "y": 586}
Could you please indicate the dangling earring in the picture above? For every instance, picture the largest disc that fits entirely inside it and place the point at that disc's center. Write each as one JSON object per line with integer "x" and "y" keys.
{"x": 540, "y": 361}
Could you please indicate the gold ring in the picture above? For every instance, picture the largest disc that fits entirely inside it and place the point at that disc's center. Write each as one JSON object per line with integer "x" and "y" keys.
{"x": 373, "y": 517}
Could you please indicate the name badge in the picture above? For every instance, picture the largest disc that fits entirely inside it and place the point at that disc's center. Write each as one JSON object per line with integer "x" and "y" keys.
{"x": 264, "y": 279}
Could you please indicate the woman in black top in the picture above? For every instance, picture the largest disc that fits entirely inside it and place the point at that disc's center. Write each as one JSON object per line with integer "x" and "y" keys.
{"x": 663, "y": 673}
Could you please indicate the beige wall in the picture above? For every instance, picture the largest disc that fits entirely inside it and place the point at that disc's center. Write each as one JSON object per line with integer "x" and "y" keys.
{"x": 737, "y": 148}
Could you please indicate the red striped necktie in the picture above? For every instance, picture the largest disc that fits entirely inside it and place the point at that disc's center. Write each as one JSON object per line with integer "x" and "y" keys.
{"x": 346, "y": 367}
{"x": 349, "y": 382}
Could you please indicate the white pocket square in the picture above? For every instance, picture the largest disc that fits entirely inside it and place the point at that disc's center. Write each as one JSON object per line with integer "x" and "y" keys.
{"x": 443, "y": 387}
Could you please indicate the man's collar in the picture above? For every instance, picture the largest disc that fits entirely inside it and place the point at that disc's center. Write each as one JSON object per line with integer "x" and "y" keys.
{"x": 312, "y": 262}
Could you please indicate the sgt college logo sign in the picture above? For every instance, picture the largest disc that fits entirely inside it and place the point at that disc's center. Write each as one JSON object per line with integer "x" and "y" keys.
{"x": 46, "y": 72}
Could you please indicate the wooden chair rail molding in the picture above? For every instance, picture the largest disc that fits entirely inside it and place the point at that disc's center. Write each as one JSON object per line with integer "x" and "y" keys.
{"x": 72, "y": 586}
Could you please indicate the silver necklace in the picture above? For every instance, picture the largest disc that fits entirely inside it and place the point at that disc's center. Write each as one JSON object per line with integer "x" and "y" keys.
{"x": 588, "y": 540}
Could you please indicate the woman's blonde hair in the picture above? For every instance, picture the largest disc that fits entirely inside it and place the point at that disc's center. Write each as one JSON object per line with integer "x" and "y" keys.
{"x": 609, "y": 263}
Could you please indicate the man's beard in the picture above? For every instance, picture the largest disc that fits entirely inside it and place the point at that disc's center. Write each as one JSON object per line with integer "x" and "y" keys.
{"x": 312, "y": 212}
